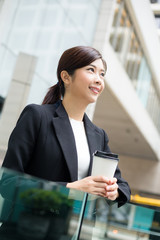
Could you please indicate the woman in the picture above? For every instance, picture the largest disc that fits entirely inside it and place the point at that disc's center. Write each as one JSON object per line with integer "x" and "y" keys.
{"x": 56, "y": 140}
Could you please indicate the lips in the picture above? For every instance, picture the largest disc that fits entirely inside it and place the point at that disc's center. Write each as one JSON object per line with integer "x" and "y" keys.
{"x": 94, "y": 90}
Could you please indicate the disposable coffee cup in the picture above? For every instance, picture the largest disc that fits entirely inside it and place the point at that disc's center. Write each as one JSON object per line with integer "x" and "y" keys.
{"x": 104, "y": 164}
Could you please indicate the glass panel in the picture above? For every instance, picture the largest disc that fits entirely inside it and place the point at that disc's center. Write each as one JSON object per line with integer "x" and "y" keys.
{"x": 144, "y": 80}
{"x": 153, "y": 105}
{"x": 31, "y": 208}
{"x": 25, "y": 18}
{"x": 104, "y": 221}
{"x": 18, "y": 39}
{"x": 48, "y": 16}
{"x": 157, "y": 18}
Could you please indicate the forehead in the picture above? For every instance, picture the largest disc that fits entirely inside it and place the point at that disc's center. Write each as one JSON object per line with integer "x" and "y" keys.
{"x": 98, "y": 64}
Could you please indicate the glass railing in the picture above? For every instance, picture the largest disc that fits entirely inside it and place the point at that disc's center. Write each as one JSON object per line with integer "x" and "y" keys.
{"x": 129, "y": 222}
{"x": 32, "y": 208}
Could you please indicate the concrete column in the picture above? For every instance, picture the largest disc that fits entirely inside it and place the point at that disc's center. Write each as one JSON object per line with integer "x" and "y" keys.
{"x": 16, "y": 98}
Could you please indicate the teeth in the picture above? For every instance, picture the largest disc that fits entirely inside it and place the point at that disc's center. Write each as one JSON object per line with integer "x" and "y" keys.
{"x": 95, "y": 90}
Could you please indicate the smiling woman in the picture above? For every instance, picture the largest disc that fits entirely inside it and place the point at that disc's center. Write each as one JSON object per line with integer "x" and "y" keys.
{"x": 56, "y": 140}
{"x": 84, "y": 86}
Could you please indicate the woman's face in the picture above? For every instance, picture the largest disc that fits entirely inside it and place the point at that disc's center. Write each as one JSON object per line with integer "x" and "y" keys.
{"x": 87, "y": 83}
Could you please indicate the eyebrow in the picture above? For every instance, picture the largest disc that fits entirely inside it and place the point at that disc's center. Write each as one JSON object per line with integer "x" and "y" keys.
{"x": 96, "y": 67}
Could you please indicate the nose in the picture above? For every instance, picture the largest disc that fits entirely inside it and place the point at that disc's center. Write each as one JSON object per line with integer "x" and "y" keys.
{"x": 98, "y": 79}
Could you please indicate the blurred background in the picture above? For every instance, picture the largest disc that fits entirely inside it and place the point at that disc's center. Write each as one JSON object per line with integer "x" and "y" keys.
{"x": 34, "y": 34}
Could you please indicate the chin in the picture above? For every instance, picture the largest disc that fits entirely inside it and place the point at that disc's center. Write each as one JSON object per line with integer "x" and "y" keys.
{"x": 93, "y": 100}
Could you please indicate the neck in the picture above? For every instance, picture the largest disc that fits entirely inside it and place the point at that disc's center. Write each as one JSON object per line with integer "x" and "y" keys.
{"x": 75, "y": 109}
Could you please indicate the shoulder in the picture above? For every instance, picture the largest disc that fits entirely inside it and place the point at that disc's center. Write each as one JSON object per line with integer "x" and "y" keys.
{"x": 38, "y": 110}
{"x": 31, "y": 111}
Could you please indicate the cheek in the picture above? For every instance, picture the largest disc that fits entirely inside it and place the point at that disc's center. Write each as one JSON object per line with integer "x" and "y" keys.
{"x": 103, "y": 86}
{"x": 85, "y": 80}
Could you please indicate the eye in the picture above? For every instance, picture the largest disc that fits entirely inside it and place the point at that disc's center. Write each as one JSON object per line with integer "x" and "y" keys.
{"x": 102, "y": 74}
{"x": 90, "y": 69}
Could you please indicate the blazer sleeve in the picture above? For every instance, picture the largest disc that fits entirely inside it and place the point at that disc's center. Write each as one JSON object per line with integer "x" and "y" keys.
{"x": 123, "y": 187}
{"x": 22, "y": 140}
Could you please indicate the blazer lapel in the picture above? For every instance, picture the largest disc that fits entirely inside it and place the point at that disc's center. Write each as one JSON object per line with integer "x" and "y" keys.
{"x": 66, "y": 139}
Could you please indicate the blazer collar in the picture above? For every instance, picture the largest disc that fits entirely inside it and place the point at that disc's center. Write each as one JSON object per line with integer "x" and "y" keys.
{"x": 66, "y": 139}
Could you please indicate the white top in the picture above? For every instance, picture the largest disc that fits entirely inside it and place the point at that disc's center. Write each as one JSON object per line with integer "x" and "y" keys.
{"x": 82, "y": 147}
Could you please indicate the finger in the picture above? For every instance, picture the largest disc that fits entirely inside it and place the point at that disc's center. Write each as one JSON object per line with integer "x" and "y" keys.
{"x": 100, "y": 185}
{"x": 110, "y": 188}
{"x": 111, "y": 181}
{"x": 99, "y": 191}
{"x": 112, "y": 195}
{"x": 101, "y": 195}
{"x": 114, "y": 180}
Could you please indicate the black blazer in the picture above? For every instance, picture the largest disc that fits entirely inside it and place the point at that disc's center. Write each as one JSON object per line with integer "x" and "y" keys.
{"x": 42, "y": 144}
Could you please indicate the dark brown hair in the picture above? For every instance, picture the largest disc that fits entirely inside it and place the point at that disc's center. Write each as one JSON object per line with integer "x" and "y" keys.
{"x": 71, "y": 59}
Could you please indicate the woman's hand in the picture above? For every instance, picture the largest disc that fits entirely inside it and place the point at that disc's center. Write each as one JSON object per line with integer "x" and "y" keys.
{"x": 98, "y": 185}
{"x": 94, "y": 185}
{"x": 112, "y": 189}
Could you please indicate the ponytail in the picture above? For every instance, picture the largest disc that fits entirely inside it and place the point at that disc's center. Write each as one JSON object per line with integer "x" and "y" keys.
{"x": 53, "y": 95}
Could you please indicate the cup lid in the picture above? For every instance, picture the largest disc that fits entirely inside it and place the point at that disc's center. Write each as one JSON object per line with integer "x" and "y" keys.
{"x": 106, "y": 155}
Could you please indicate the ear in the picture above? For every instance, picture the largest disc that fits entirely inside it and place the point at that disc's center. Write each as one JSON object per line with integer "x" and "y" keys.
{"x": 65, "y": 77}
